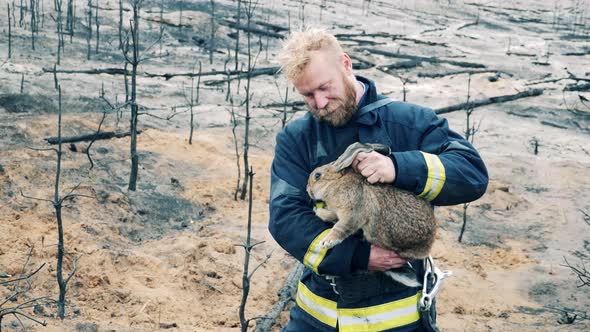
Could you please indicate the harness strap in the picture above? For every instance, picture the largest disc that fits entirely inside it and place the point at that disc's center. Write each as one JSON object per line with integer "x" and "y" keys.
{"x": 376, "y": 104}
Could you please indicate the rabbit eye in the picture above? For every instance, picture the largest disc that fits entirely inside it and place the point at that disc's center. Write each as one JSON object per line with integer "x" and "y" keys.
{"x": 317, "y": 176}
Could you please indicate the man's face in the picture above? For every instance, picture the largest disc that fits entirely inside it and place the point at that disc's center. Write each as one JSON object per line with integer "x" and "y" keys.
{"x": 328, "y": 91}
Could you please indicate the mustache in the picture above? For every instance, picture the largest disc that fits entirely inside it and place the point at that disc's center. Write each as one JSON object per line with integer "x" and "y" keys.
{"x": 330, "y": 108}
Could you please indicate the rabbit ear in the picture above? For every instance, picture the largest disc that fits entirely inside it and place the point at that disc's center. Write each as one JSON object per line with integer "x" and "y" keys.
{"x": 348, "y": 156}
{"x": 353, "y": 150}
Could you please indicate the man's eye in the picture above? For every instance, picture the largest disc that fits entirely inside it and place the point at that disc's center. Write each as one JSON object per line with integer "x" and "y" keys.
{"x": 317, "y": 176}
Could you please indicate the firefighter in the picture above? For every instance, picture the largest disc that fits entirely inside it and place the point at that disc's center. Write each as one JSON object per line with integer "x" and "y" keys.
{"x": 343, "y": 288}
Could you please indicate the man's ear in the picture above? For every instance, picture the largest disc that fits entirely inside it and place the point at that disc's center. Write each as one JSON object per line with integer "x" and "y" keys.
{"x": 347, "y": 63}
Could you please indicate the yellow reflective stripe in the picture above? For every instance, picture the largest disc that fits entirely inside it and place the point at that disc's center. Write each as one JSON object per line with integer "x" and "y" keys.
{"x": 380, "y": 317}
{"x": 318, "y": 307}
{"x": 315, "y": 253}
{"x": 428, "y": 184}
{"x": 436, "y": 176}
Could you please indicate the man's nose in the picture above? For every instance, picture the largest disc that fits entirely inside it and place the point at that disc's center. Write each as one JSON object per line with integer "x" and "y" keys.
{"x": 321, "y": 101}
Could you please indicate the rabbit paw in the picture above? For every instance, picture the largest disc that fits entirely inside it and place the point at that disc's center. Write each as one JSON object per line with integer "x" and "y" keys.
{"x": 326, "y": 214}
{"x": 331, "y": 240}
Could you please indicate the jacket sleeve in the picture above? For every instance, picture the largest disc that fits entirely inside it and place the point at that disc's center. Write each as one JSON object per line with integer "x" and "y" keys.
{"x": 446, "y": 169}
{"x": 293, "y": 223}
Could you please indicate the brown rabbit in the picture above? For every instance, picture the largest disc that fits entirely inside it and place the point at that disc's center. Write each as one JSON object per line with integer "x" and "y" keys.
{"x": 390, "y": 218}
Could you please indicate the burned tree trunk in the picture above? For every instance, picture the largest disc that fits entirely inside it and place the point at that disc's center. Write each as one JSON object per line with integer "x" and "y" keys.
{"x": 97, "y": 28}
{"x": 193, "y": 102}
{"x": 134, "y": 61}
{"x": 248, "y": 247}
{"x": 212, "y": 35}
{"x": 237, "y": 49}
{"x": 57, "y": 204}
{"x": 70, "y": 17}
{"x": 249, "y": 13}
{"x": 33, "y": 24}
{"x": 234, "y": 123}
{"x": 9, "y": 33}
{"x": 121, "y": 24}
{"x": 21, "y": 14}
{"x": 161, "y": 25}
{"x": 89, "y": 27}
{"x": 470, "y": 131}
{"x": 58, "y": 19}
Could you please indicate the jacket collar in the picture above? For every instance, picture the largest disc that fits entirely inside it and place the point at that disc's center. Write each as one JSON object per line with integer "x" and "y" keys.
{"x": 362, "y": 116}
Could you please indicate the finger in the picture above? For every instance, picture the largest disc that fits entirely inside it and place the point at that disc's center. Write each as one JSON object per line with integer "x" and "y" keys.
{"x": 355, "y": 164}
{"x": 397, "y": 261}
{"x": 363, "y": 164}
{"x": 362, "y": 156}
{"x": 360, "y": 162}
{"x": 394, "y": 254}
{"x": 374, "y": 178}
{"x": 396, "y": 265}
{"x": 368, "y": 171}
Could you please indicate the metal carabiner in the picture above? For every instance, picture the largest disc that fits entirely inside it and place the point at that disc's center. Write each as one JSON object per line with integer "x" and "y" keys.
{"x": 332, "y": 281}
{"x": 425, "y": 299}
{"x": 436, "y": 276}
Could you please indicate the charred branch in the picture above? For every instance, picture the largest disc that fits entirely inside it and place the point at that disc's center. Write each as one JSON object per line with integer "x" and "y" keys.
{"x": 466, "y": 25}
{"x": 418, "y": 59}
{"x": 581, "y": 272}
{"x": 489, "y": 101}
{"x": 570, "y": 76}
{"x": 360, "y": 63}
{"x": 274, "y": 27}
{"x": 17, "y": 310}
{"x": 241, "y": 73}
{"x": 553, "y": 124}
{"x": 254, "y": 30}
{"x": 586, "y": 51}
{"x": 254, "y": 72}
{"x": 282, "y": 104}
{"x": 107, "y": 8}
{"x": 459, "y": 72}
{"x": 167, "y": 22}
{"x": 577, "y": 87}
{"x": 354, "y": 37}
{"x": 95, "y": 71}
{"x": 286, "y": 294}
{"x": 372, "y": 35}
{"x": 89, "y": 137}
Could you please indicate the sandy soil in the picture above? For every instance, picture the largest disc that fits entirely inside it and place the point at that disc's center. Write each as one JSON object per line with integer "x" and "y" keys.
{"x": 167, "y": 257}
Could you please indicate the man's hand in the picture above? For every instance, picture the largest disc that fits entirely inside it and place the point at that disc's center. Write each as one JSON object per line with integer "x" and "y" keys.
{"x": 382, "y": 259}
{"x": 375, "y": 167}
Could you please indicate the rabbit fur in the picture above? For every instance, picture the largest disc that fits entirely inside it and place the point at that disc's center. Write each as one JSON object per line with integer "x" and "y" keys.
{"x": 390, "y": 218}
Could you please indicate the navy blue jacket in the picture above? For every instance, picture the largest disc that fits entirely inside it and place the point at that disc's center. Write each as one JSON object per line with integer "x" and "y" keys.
{"x": 431, "y": 161}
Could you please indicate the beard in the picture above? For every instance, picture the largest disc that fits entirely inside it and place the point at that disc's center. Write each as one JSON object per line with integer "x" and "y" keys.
{"x": 339, "y": 110}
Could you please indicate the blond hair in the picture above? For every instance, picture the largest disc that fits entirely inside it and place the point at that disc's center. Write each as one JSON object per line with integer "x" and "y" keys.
{"x": 297, "y": 50}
